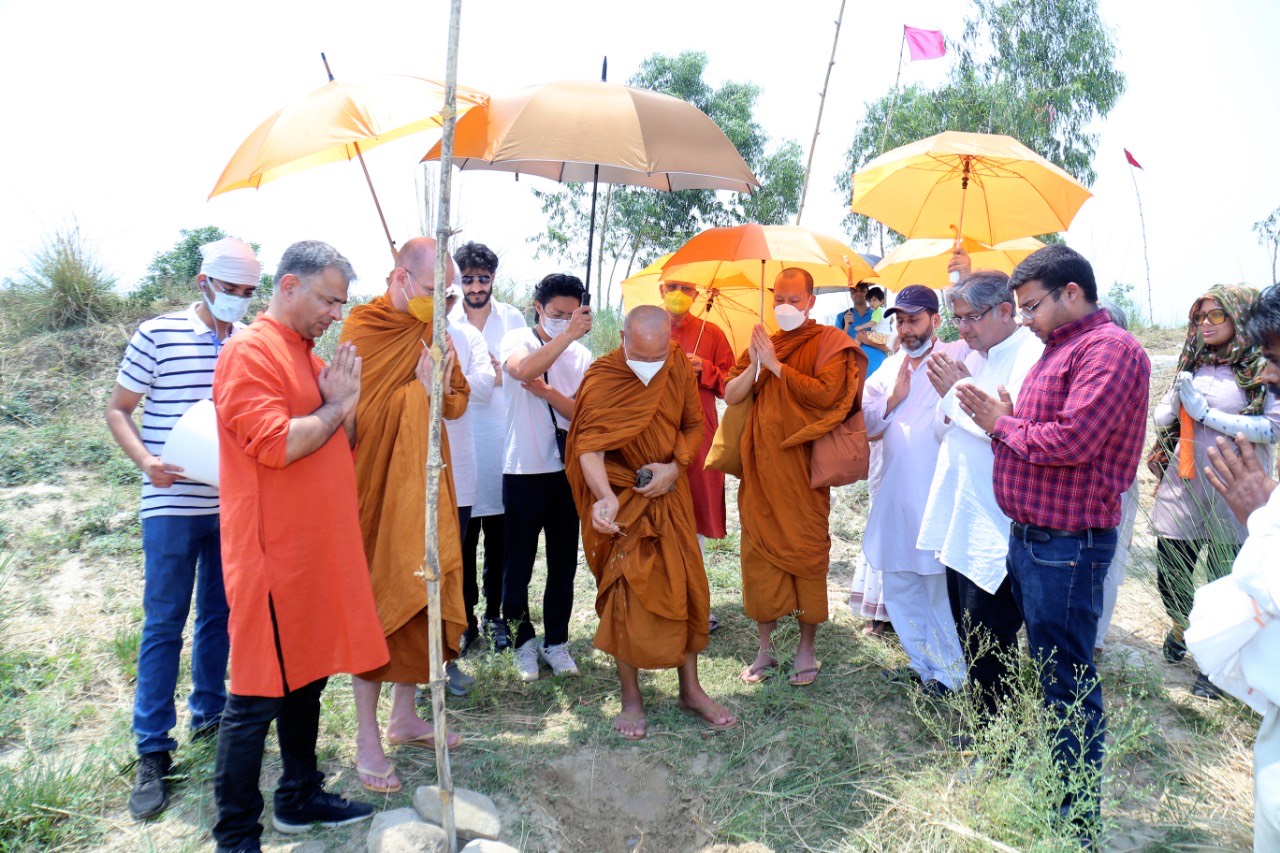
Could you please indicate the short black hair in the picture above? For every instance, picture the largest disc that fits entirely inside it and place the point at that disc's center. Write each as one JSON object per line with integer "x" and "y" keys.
{"x": 558, "y": 284}
{"x": 1263, "y": 324}
{"x": 476, "y": 256}
{"x": 877, "y": 292}
{"x": 1055, "y": 267}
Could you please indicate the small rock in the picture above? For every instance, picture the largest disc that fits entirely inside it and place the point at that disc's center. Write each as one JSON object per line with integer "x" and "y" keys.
{"x": 402, "y": 831}
{"x": 474, "y": 813}
{"x": 484, "y": 845}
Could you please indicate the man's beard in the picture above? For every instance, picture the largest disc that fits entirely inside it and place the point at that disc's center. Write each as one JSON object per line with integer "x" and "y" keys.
{"x": 479, "y": 299}
{"x": 912, "y": 341}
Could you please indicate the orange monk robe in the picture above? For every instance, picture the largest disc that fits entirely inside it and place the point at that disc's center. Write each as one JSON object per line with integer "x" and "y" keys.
{"x": 707, "y": 341}
{"x": 392, "y": 421}
{"x": 651, "y": 588}
{"x": 291, "y": 552}
{"x": 786, "y": 541}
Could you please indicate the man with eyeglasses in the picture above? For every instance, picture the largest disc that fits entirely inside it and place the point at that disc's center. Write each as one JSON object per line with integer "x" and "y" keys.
{"x": 170, "y": 361}
{"x": 1063, "y": 459}
{"x": 493, "y": 319}
{"x": 546, "y": 365}
{"x": 962, "y": 523}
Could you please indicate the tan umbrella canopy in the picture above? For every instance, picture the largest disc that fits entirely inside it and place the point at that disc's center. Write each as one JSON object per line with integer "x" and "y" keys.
{"x": 925, "y": 260}
{"x": 575, "y": 131}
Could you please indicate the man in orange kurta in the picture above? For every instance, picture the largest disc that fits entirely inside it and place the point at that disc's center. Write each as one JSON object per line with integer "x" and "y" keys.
{"x": 297, "y": 584}
{"x": 638, "y": 416}
{"x": 392, "y": 333}
{"x": 809, "y": 377}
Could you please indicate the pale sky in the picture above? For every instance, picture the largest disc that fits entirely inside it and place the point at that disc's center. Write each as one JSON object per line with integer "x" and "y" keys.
{"x": 120, "y": 116}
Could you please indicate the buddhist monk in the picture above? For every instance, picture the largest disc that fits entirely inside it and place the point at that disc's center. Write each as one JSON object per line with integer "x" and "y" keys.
{"x": 393, "y": 333}
{"x": 297, "y": 584}
{"x": 637, "y": 427}
{"x": 808, "y": 378}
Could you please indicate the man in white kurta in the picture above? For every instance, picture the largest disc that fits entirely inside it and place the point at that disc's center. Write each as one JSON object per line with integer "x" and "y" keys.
{"x": 899, "y": 403}
{"x": 492, "y": 319}
{"x": 963, "y": 525}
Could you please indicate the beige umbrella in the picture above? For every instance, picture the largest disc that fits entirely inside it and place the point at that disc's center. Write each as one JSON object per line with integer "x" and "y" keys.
{"x": 924, "y": 260}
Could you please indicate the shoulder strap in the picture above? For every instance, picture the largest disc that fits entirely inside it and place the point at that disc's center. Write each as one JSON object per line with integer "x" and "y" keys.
{"x": 546, "y": 377}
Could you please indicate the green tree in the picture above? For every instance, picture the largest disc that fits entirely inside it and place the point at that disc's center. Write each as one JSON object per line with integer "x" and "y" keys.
{"x": 1041, "y": 71}
{"x": 634, "y": 226}
{"x": 1268, "y": 231}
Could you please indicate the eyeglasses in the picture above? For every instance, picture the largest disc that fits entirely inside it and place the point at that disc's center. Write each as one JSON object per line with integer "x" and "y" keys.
{"x": 970, "y": 319}
{"x": 483, "y": 279}
{"x": 1215, "y": 316}
{"x": 1026, "y": 312}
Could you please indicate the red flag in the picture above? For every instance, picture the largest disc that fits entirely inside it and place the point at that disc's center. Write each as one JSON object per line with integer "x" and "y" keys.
{"x": 924, "y": 44}
{"x": 1132, "y": 161}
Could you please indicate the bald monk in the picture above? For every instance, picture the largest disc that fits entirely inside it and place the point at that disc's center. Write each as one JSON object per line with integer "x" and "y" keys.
{"x": 809, "y": 376}
{"x": 636, "y": 428}
{"x": 295, "y": 573}
{"x": 392, "y": 333}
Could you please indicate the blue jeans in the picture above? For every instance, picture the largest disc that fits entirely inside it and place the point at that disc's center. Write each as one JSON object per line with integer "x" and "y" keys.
{"x": 183, "y": 554}
{"x": 1057, "y": 586}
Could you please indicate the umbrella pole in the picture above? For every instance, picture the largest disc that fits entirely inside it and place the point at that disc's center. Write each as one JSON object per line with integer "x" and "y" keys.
{"x": 591, "y": 232}
{"x": 435, "y": 458}
{"x": 954, "y": 276}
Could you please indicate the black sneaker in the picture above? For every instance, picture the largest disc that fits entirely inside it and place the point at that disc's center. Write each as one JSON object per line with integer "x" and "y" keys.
{"x": 1206, "y": 689}
{"x": 1174, "y": 649}
{"x": 935, "y": 689}
{"x": 208, "y": 734}
{"x": 322, "y": 809}
{"x": 498, "y": 634}
{"x": 150, "y": 794}
{"x": 471, "y": 641}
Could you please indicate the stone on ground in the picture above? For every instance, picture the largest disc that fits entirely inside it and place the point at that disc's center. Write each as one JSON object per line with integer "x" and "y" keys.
{"x": 402, "y": 831}
{"x": 484, "y": 845}
{"x": 475, "y": 814}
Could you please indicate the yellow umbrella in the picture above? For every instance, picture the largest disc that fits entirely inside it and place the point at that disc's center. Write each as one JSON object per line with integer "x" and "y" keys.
{"x": 988, "y": 187}
{"x": 339, "y": 121}
{"x": 924, "y": 260}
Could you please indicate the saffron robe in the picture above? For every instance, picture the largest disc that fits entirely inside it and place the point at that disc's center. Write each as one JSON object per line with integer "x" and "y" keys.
{"x": 708, "y": 342}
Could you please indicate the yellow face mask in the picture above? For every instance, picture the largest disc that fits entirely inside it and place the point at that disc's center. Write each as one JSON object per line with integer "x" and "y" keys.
{"x": 423, "y": 308}
{"x": 677, "y": 302}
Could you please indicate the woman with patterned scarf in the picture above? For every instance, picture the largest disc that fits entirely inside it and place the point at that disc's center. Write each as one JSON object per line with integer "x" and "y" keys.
{"x": 1216, "y": 392}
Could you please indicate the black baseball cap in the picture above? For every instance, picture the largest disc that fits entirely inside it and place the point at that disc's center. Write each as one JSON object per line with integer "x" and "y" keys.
{"x": 913, "y": 300}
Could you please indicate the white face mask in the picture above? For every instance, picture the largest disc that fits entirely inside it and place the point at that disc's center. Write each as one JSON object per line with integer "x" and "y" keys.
{"x": 789, "y": 317}
{"x": 555, "y": 328}
{"x": 645, "y": 370}
{"x": 225, "y": 306}
{"x": 920, "y": 350}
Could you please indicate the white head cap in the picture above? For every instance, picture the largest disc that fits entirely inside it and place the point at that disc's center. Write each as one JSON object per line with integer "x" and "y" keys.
{"x": 453, "y": 292}
{"x": 230, "y": 260}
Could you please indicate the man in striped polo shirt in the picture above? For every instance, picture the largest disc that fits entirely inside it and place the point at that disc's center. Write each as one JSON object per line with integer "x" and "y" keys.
{"x": 170, "y": 361}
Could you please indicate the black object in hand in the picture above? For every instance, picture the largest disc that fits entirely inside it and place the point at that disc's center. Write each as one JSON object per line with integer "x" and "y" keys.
{"x": 643, "y": 477}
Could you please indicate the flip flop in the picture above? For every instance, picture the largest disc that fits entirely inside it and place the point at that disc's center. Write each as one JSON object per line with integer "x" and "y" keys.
{"x": 814, "y": 670}
{"x": 632, "y": 718}
{"x": 702, "y": 718}
{"x": 713, "y": 624}
{"x": 379, "y": 789}
{"x": 754, "y": 675}
{"x": 426, "y": 741}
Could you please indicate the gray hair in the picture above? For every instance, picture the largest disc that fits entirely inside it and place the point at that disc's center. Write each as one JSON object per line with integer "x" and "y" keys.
{"x": 982, "y": 289}
{"x": 1118, "y": 316}
{"x": 312, "y": 257}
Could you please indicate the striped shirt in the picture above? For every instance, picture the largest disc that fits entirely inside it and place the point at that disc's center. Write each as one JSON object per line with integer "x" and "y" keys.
{"x": 170, "y": 360}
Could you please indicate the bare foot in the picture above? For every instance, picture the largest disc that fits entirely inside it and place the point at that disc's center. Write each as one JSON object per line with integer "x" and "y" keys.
{"x": 804, "y": 669}
{"x": 631, "y": 723}
{"x": 716, "y": 716}
{"x": 759, "y": 669}
{"x": 375, "y": 771}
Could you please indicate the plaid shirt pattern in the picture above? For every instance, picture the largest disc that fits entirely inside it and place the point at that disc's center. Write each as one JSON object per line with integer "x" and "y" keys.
{"x": 1072, "y": 446}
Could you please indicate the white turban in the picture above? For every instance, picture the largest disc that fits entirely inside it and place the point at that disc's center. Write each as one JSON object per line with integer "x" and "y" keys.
{"x": 452, "y": 292}
{"x": 230, "y": 260}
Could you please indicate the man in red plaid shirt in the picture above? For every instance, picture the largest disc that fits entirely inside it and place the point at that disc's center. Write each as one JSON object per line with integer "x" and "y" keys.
{"x": 1063, "y": 458}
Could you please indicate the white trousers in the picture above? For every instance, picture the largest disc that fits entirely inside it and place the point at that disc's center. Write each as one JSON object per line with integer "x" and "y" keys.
{"x": 921, "y": 616}
{"x": 1266, "y": 783}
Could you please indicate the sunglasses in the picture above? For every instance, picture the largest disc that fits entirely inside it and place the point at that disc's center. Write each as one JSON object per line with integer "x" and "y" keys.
{"x": 1216, "y": 317}
{"x": 483, "y": 279}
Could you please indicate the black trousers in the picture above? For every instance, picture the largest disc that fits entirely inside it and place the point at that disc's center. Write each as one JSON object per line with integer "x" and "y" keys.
{"x": 539, "y": 504}
{"x": 241, "y": 739}
{"x": 1176, "y": 566}
{"x": 988, "y": 625}
{"x": 494, "y": 551}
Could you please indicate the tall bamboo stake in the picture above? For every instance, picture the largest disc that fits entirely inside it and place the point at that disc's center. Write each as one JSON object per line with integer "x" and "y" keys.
{"x": 822, "y": 102}
{"x": 1151, "y": 306}
{"x": 435, "y": 457}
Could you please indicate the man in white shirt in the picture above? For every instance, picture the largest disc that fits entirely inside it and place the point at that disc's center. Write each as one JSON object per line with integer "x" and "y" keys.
{"x": 492, "y": 318}
{"x": 544, "y": 367}
{"x": 900, "y": 403}
{"x": 962, "y": 523}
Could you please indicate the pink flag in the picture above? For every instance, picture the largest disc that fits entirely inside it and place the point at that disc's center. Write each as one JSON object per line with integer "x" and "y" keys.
{"x": 924, "y": 44}
{"x": 1132, "y": 160}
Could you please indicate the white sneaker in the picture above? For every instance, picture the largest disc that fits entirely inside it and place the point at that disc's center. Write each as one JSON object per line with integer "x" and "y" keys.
{"x": 559, "y": 659}
{"x": 527, "y": 660}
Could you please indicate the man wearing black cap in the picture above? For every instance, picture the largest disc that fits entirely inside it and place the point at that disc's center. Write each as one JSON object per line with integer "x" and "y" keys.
{"x": 900, "y": 404}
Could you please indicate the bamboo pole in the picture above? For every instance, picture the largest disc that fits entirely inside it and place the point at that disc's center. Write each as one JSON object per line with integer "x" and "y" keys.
{"x": 1142, "y": 222}
{"x": 822, "y": 102}
{"x": 435, "y": 457}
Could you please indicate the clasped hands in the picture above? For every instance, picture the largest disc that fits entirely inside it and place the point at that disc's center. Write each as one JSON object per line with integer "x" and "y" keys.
{"x": 762, "y": 351}
{"x": 983, "y": 408}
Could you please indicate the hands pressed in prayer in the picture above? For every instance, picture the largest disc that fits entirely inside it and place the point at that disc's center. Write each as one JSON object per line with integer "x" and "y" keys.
{"x": 762, "y": 350}
{"x": 944, "y": 371}
{"x": 982, "y": 407}
{"x": 1235, "y": 472}
{"x": 339, "y": 381}
{"x": 1191, "y": 398}
{"x": 426, "y": 364}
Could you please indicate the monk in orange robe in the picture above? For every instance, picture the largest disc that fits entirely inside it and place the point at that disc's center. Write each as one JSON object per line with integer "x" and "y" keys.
{"x": 637, "y": 426}
{"x": 809, "y": 376}
{"x": 392, "y": 333}
{"x": 301, "y": 604}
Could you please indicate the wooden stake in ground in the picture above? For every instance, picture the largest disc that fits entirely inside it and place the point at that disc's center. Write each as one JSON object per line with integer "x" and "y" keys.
{"x": 822, "y": 102}
{"x": 435, "y": 457}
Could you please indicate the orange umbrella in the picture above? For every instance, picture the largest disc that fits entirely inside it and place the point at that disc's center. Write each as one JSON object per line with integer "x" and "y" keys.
{"x": 574, "y": 131}
{"x": 339, "y": 121}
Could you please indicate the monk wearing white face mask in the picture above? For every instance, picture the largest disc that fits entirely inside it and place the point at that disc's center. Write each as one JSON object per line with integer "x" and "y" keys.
{"x": 808, "y": 377}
